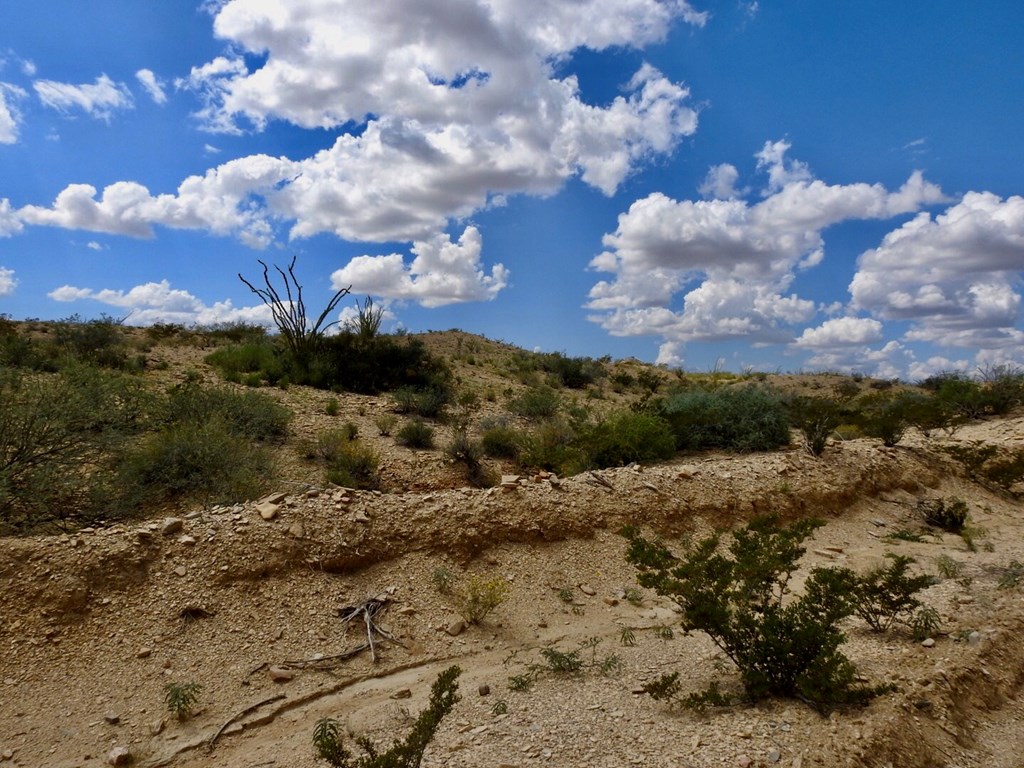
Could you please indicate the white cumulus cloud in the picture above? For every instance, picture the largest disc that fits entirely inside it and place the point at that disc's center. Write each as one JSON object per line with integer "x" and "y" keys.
{"x": 151, "y": 303}
{"x": 442, "y": 272}
{"x": 842, "y": 331}
{"x": 10, "y": 222}
{"x": 731, "y": 261}
{"x": 152, "y": 85}
{"x": 99, "y": 100}
{"x": 956, "y": 276}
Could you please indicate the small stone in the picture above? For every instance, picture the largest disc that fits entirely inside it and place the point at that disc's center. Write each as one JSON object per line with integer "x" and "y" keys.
{"x": 144, "y": 652}
{"x": 281, "y": 674}
{"x": 112, "y": 718}
{"x": 156, "y": 727}
{"x": 361, "y": 517}
{"x": 484, "y": 689}
{"x": 402, "y": 693}
{"x": 7, "y": 754}
{"x": 696, "y": 742}
{"x": 232, "y": 729}
{"x": 975, "y": 638}
{"x": 171, "y": 525}
{"x": 181, "y": 570}
{"x": 268, "y": 510}
{"x": 612, "y": 601}
{"x": 119, "y": 756}
{"x": 929, "y": 643}
{"x": 774, "y": 756}
{"x": 296, "y": 531}
{"x": 588, "y": 590}
{"x": 187, "y": 541}
{"x": 744, "y": 762}
{"x": 456, "y": 627}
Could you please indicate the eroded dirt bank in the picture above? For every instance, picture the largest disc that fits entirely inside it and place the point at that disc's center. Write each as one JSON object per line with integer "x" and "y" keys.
{"x": 95, "y": 624}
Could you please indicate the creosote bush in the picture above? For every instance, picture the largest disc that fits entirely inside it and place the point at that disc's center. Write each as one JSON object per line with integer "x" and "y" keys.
{"x": 740, "y": 418}
{"x": 887, "y": 594}
{"x": 479, "y": 596}
{"x": 782, "y": 645}
{"x": 416, "y": 434}
{"x": 407, "y": 753}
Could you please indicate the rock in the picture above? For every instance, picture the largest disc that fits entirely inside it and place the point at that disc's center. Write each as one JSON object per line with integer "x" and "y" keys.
{"x": 171, "y": 525}
{"x": 975, "y": 638}
{"x": 268, "y": 510}
{"x": 929, "y": 643}
{"x": 7, "y": 754}
{"x": 774, "y": 756}
{"x": 181, "y": 570}
{"x": 612, "y": 601}
{"x": 281, "y": 674}
{"x": 510, "y": 482}
{"x": 484, "y": 689}
{"x": 361, "y": 517}
{"x": 588, "y": 590}
{"x": 273, "y": 498}
{"x": 144, "y": 652}
{"x": 456, "y": 627}
{"x": 402, "y": 693}
{"x": 296, "y": 531}
{"x": 156, "y": 727}
{"x": 187, "y": 541}
{"x": 112, "y": 718}
{"x": 744, "y": 762}
{"x": 119, "y": 756}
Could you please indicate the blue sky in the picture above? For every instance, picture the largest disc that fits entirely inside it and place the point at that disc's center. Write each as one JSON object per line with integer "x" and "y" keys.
{"x": 783, "y": 185}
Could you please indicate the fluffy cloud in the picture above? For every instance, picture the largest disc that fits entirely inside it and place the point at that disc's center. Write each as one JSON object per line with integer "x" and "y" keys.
{"x": 220, "y": 202}
{"x": 741, "y": 257}
{"x": 10, "y": 223}
{"x": 7, "y": 281}
{"x": 445, "y": 108}
{"x": 441, "y": 273}
{"x": 10, "y": 117}
{"x": 152, "y": 84}
{"x": 99, "y": 100}
{"x": 957, "y": 276}
{"x": 840, "y": 332}
{"x": 720, "y": 183}
{"x": 159, "y": 303}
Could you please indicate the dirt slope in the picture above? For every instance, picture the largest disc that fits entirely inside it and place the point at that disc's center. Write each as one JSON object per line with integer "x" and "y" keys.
{"x": 95, "y": 624}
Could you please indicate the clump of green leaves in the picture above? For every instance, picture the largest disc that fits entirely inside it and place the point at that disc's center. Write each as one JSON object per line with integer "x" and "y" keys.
{"x": 782, "y": 647}
{"x": 926, "y": 622}
{"x": 886, "y": 594}
{"x": 443, "y": 580}
{"x": 416, "y": 434}
{"x": 181, "y": 699}
{"x": 949, "y": 515}
{"x": 1012, "y": 575}
{"x": 567, "y": 663}
{"x": 480, "y": 596}
{"x": 407, "y": 753}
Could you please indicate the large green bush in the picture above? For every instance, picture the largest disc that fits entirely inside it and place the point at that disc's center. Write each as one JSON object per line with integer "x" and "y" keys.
{"x": 59, "y": 437}
{"x": 202, "y": 461}
{"x": 253, "y": 415}
{"x": 627, "y": 437}
{"x": 782, "y": 645}
{"x": 737, "y": 418}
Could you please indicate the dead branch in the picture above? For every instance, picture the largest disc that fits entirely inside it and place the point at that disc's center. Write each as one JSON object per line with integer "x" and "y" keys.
{"x": 243, "y": 713}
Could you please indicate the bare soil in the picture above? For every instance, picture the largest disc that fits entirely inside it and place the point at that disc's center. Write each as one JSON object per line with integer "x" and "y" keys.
{"x": 95, "y": 623}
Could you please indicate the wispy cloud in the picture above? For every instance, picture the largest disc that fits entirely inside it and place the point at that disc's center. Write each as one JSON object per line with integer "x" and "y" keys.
{"x": 7, "y": 281}
{"x": 10, "y": 116}
{"x": 98, "y": 100}
{"x": 152, "y": 85}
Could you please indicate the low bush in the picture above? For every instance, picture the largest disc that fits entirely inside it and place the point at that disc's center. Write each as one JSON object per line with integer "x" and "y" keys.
{"x": 479, "y": 596}
{"x": 201, "y": 461}
{"x": 416, "y": 434}
{"x": 817, "y": 418}
{"x": 260, "y": 356}
{"x": 949, "y": 515}
{"x": 181, "y": 699}
{"x": 781, "y": 647}
{"x": 469, "y": 454}
{"x": 501, "y": 441}
{"x": 888, "y": 416}
{"x": 247, "y": 414}
{"x": 535, "y": 403}
{"x": 627, "y": 437}
{"x": 741, "y": 418}
{"x": 887, "y": 594}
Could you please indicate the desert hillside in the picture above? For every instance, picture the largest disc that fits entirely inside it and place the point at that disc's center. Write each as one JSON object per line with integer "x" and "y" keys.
{"x": 263, "y": 603}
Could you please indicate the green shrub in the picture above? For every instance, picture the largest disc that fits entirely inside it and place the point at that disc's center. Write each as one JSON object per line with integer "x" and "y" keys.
{"x": 745, "y": 418}
{"x": 373, "y": 364}
{"x": 181, "y": 699}
{"x": 1006, "y": 472}
{"x": 887, "y": 416}
{"x": 536, "y": 403}
{"x": 469, "y": 453}
{"x": 781, "y": 648}
{"x": 416, "y": 434}
{"x": 501, "y": 442}
{"x": 886, "y": 594}
{"x": 331, "y": 409}
{"x": 201, "y": 461}
{"x": 817, "y": 419}
{"x": 60, "y": 436}
{"x": 385, "y": 423}
{"x": 259, "y": 356}
{"x": 97, "y": 342}
{"x": 480, "y": 596}
{"x": 355, "y": 466}
{"x": 628, "y": 437}
{"x": 247, "y": 414}
{"x": 407, "y": 753}
{"x": 551, "y": 446}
